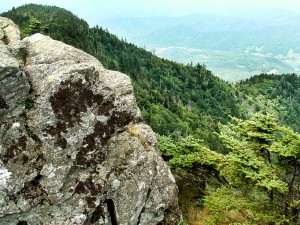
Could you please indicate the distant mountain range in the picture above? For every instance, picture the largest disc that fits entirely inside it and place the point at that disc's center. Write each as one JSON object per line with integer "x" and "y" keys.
{"x": 234, "y": 48}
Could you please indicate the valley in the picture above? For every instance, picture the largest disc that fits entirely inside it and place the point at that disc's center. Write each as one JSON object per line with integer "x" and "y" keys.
{"x": 234, "y": 66}
{"x": 233, "y": 47}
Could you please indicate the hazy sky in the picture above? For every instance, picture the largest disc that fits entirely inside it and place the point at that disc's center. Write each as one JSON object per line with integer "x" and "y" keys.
{"x": 96, "y": 10}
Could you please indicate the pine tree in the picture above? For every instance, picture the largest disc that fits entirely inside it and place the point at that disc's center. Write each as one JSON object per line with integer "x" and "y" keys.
{"x": 35, "y": 26}
{"x": 256, "y": 182}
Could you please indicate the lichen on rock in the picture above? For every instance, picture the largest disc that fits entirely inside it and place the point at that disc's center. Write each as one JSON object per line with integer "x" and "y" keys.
{"x": 73, "y": 149}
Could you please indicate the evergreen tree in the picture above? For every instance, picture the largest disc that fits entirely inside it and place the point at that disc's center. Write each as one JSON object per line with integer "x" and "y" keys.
{"x": 35, "y": 26}
{"x": 256, "y": 182}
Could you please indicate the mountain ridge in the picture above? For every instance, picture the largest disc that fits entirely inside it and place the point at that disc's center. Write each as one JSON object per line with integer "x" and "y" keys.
{"x": 175, "y": 99}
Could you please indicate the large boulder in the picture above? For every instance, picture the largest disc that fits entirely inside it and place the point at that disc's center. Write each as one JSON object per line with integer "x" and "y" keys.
{"x": 73, "y": 148}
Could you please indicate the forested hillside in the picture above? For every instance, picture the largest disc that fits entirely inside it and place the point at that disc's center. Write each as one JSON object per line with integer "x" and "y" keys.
{"x": 279, "y": 94}
{"x": 175, "y": 99}
{"x": 233, "y": 147}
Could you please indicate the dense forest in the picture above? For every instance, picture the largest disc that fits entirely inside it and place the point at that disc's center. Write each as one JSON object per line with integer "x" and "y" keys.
{"x": 175, "y": 99}
{"x": 233, "y": 147}
{"x": 279, "y": 94}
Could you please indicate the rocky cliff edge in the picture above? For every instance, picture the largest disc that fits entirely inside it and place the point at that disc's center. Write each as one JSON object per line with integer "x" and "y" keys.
{"x": 73, "y": 148}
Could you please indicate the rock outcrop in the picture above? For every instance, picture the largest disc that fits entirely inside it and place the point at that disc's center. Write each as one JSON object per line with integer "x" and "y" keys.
{"x": 73, "y": 148}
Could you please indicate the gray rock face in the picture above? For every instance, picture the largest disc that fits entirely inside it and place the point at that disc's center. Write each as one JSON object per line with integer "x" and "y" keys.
{"x": 14, "y": 86}
{"x": 73, "y": 148}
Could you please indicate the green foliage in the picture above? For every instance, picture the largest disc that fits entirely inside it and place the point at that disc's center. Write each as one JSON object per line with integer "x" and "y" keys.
{"x": 279, "y": 94}
{"x": 233, "y": 206}
{"x": 249, "y": 142}
{"x": 189, "y": 153}
{"x": 35, "y": 26}
{"x": 59, "y": 23}
{"x": 264, "y": 156}
{"x": 175, "y": 99}
{"x": 256, "y": 182}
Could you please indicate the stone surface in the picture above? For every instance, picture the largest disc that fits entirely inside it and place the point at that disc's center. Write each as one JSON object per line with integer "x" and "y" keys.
{"x": 10, "y": 35}
{"x": 73, "y": 148}
{"x": 14, "y": 85}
